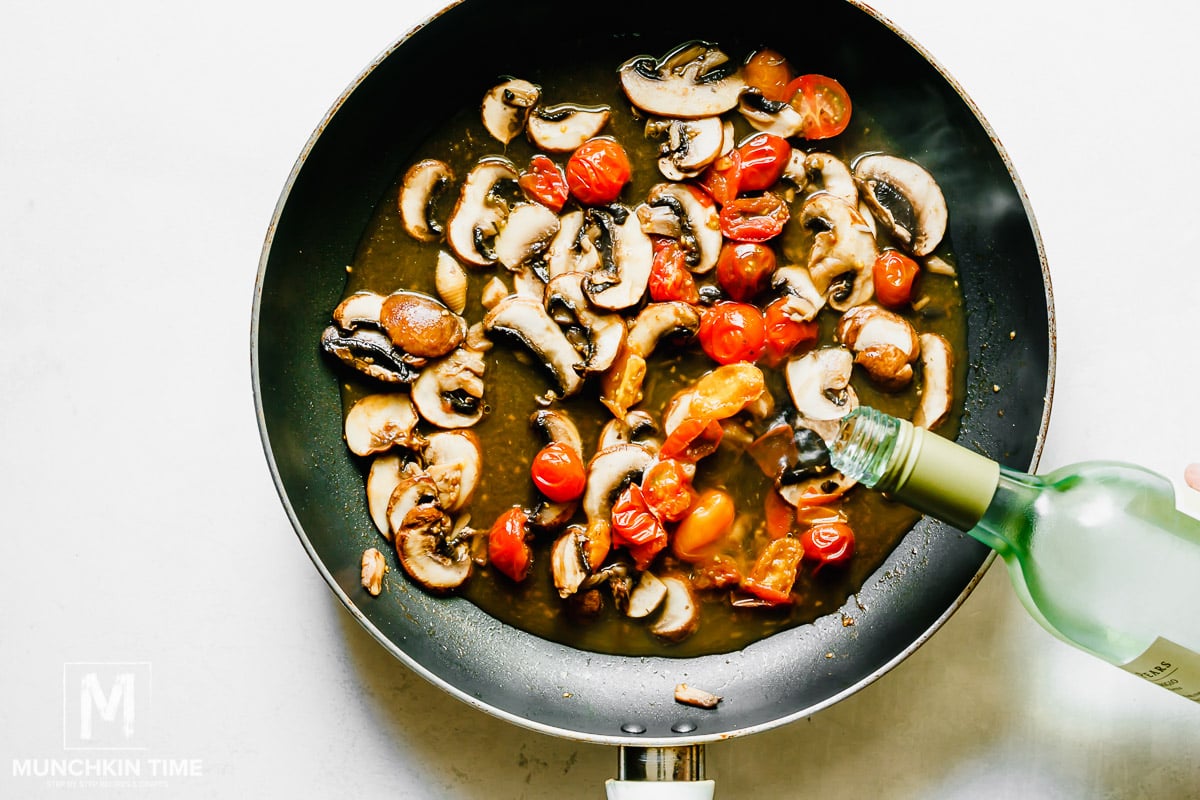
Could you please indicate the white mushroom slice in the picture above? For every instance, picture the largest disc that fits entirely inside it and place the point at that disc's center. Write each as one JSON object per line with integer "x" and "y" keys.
{"x": 638, "y": 427}
{"x": 621, "y": 384}
{"x": 689, "y": 145}
{"x": 450, "y": 280}
{"x": 568, "y": 562}
{"x": 454, "y": 462}
{"x": 571, "y": 250}
{"x": 843, "y": 251}
{"x": 770, "y": 116}
{"x": 647, "y": 596}
{"x": 693, "y": 80}
{"x": 819, "y": 383}
{"x": 449, "y": 392}
{"x": 604, "y": 333}
{"x": 527, "y": 320}
{"x": 506, "y": 106}
{"x": 937, "y": 370}
{"x": 803, "y": 300}
{"x": 919, "y": 220}
{"x": 828, "y": 483}
{"x": 608, "y": 472}
{"x": 427, "y": 555}
{"x": 562, "y": 128}
{"x": 358, "y": 310}
{"x": 699, "y": 222}
{"x": 680, "y": 615}
{"x": 882, "y": 342}
{"x": 413, "y": 489}
{"x": 479, "y": 213}
{"x": 385, "y": 475}
{"x": 525, "y": 235}
{"x": 378, "y": 422}
{"x": 825, "y": 172}
{"x": 423, "y": 184}
{"x": 626, "y": 256}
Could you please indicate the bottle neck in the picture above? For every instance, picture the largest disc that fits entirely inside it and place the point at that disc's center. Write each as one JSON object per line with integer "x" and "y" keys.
{"x": 920, "y": 469}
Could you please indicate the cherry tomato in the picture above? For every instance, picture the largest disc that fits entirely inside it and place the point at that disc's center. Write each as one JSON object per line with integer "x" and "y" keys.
{"x": 777, "y": 514}
{"x": 828, "y": 543}
{"x": 597, "y": 171}
{"x": 732, "y": 332}
{"x": 764, "y": 157}
{"x": 667, "y": 490}
{"x": 670, "y": 278}
{"x": 507, "y": 549}
{"x": 754, "y": 219}
{"x": 545, "y": 182}
{"x": 718, "y": 572}
{"x": 894, "y": 274}
{"x": 693, "y": 439}
{"x": 774, "y": 571}
{"x": 558, "y": 473}
{"x": 716, "y": 396}
{"x": 722, "y": 180}
{"x": 632, "y": 520}
{"x": 770, "y": 73}
{"x": 744, "y": 268}
{"x": 708, "y": 520}
{"x": 785, "y": 334}
{"x": 823, "y": 104}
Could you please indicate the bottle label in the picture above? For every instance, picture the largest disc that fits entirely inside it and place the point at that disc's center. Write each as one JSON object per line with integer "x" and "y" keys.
{"x": 1170, "y": 666}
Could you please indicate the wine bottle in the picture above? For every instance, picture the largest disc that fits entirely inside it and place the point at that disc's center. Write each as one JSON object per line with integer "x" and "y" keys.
{"x": 1100, "y": 553}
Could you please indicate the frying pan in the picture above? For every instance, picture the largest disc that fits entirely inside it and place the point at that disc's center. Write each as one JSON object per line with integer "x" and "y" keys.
{"x": 356, "y": 154}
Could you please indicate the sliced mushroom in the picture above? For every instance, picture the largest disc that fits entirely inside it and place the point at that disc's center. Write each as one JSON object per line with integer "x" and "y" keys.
{"x": 426, "y": 553}
{"x": 882, "y": 342}
{"x": 826, "y": 484}
{"x": 937, "y": 371}
{"x": 378, "y": 422}
{"x": 608, "y": 472}
{"x": 480, "y": 211}
{"x": 422, "y": 186}
{"x": 526, "y": 319}
{"x": 420, "y": 325}
{"x": 698, "y": 222}
{"x": 822, "y": 172}
{"x": 361, "y": 309}
{"x": 770, "y": 116}
{"x": 621, "y": 385}
{"x": 562, "y": 128}
{"x": 603, "y": 333}
{"x": 905, "y": 198}
{"x": 449, "y": 392}
{"x": 571, "y": 250}
{"x": 626, "y": 256}
{"x": 568, "y": 562}
{"x": 450, "y": 279}
{"x": 803, "y": 301}
{"x": 689, "y": 145}
{"x": 819, "y": 383}
{"x": 506, "y": 107}
{"x": 637, "y": 427}
{"x": 843, "y": 251}
{"x": 647, "y": 596}
{"x": 454, "y": 461}
{"x": 693, "y": 80}
{"x": 387, "y": 470}
{"x": 680, "y": 615}
{"x": 413, "y": 489}
{"x": 370, "y": 352}
{"x": 525, "y": 235}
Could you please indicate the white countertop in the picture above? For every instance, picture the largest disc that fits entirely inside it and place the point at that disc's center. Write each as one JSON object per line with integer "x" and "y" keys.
{"x": 142, "y": 152}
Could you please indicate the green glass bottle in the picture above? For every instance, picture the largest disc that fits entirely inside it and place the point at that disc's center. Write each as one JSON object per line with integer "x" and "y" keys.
{"x": 1098, "y": 552}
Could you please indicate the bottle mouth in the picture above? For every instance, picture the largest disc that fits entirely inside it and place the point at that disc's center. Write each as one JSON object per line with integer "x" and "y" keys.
{"x": 864, "y": 445}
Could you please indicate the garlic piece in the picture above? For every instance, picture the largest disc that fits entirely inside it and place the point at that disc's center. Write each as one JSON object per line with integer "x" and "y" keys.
{"x": 373, "y": 567}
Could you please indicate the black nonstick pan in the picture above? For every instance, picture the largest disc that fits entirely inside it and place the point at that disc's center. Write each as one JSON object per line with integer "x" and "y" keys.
{"x": 368, "y": 139}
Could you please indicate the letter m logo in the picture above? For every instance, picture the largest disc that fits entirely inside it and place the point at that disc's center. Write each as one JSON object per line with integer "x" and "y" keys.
{"x": 105, "y": 705}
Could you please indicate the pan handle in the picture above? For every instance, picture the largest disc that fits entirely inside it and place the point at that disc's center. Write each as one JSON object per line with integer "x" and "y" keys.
{"x": 663, "y": 773}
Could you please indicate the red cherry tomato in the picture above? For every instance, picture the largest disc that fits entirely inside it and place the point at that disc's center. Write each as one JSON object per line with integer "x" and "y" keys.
{"x": 754, "y": 219}
{"x": 708, "y": 520}
{"x": 732, "y": 332}
{"x": 597, "y": 171}
{"x": 545, "y": 183}
{"x": 507, "y": 549}
{"x": 770, "y": 73}
{"x": 633, "y": 522}
{"x": 744, "y": 268}
{"x": 670, "y": 278}
{"x": 894, "y": 274}
{"x": 718, "y": 572}
{"x": 777, "y": 514}
{"x": 722, "y": 180}
{"x": 774, "y": 571}
{"x": 828, "y": 543}
{"x": 823, "y": 104}
{"x": 764, "y": 157}
{"x": 667, "y": 490}
{"x": 785, "y": 334}
{"x": 558, "y": 473}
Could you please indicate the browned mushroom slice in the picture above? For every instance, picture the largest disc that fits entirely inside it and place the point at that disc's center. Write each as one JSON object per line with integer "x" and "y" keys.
{"x": 562, "y": 128}
{"x": 506, "y": 106}
{"x": 480, "y": 211}
{"x": 378, "y": 422}
{"x": 526, "y": 319}
{"x": 454, "y": 462}
{"x": 680, "y": 615}
{"x": 693, "y": 80}
{"x": 883, "y": 343}
{"x": 904, "y": 197}
{"x": 421, "y": 325}
{"x": 423, "y": 184}
{"x": 449, "y": 392}
{"x": 568, "y": 561}
{"x": 937, "y": 371}
{"x": 412, "y": 490}
{"x": 370, "y": 352}
{"x": 427, "y": 554}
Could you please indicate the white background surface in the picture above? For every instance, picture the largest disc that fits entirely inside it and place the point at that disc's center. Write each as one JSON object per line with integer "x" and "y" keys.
{"x": 142, "y": 152}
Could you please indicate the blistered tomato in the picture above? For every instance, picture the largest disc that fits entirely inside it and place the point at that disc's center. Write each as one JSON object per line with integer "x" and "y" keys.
{"x": 597, "y": 171}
